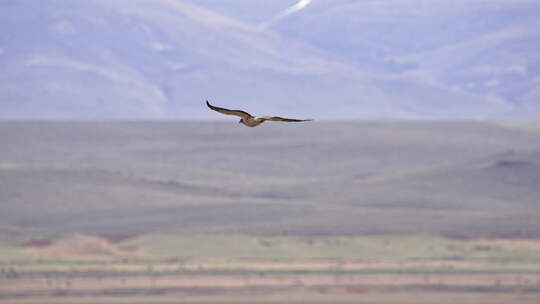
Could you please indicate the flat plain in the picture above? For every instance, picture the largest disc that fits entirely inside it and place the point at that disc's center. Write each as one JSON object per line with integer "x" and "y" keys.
{"x": 362, "y": 212}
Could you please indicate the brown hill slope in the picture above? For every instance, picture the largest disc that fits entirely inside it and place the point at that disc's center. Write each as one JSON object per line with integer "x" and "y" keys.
{"x": 462, "y": 178}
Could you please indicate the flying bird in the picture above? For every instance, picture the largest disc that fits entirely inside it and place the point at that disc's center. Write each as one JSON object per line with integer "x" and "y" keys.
{"x": 249, "y": 120}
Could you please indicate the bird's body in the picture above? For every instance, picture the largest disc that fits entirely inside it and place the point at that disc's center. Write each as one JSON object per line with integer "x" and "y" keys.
{"x": 249, "y": 120}
{"x": 252, "y": 121}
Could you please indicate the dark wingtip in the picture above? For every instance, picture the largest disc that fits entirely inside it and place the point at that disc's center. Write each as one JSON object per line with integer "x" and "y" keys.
{"x": 208, "y": 104}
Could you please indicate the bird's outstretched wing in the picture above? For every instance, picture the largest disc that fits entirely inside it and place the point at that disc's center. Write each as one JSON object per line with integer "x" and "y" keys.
{"x": 277, "y": 118}
{"x": 229, "y": 112}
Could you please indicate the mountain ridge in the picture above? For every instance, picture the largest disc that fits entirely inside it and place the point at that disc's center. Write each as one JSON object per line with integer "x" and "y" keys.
{"x": 162, "y": 59}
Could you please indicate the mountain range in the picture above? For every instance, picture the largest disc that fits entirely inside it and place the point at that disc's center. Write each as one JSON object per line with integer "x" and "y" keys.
{"x": 160, "y": 59}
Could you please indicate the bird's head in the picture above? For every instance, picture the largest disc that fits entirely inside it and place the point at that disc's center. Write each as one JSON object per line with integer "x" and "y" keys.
{"x": 241, "y": 120}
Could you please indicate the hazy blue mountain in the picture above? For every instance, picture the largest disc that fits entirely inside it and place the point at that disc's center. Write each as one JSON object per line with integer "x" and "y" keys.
{"x": 163, "y": 58}
{"x": 490, "y": 49}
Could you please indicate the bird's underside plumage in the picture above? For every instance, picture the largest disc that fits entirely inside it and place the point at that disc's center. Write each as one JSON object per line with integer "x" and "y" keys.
{"x": 249, "y": 120}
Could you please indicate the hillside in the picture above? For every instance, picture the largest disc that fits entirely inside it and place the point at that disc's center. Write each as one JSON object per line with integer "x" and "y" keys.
{"x": 463, "y": 179}
{"x": 160, "y": 58}
{"x": 482, "y": 49}
{"x": 157, "y": 59}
